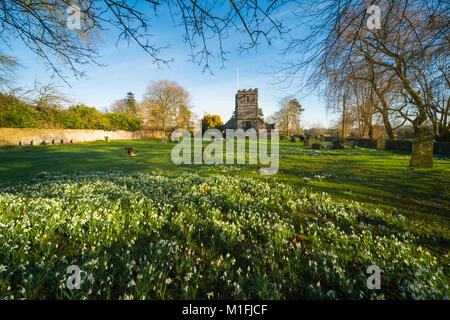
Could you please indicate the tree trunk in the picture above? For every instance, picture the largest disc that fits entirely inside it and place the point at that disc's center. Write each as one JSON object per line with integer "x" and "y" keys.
{"x": 370, "y": 131}
{"x": 387, "y": 126}
{"x": 344, "y": 102}
{"x": 422, "y": 148}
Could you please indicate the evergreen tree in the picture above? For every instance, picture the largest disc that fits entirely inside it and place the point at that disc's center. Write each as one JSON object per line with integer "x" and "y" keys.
{"x": 131, "y": 104}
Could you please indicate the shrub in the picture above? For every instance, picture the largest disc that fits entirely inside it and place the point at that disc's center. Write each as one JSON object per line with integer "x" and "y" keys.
{"x": 122, "y": 121}
{"x": 212, "y": 122}
{"x": 83, "y": 117}
{"x": 18, "y": 116}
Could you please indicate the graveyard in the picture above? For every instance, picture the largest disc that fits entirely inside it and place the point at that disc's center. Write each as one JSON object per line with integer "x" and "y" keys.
{"x": 211, "y": 151}
{"x": 141, "y": 227}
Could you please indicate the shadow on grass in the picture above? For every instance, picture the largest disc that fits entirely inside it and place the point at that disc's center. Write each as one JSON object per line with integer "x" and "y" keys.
{"x": 380, "y": 179}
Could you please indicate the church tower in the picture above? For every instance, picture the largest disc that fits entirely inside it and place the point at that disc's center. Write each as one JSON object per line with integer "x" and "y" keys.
{"x": 246, "y": 110}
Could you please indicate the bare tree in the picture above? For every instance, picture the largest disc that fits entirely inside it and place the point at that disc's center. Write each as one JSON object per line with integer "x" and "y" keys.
{"x": 433, "y": 78}
{"x": 128, "y": 105}
{"x": 42, "y": 26}
{"x": 287, "y": 118}
{"x": 43, "y": 96}
{"x": 119, "y": 106}
{"x": 168, "y": 104}
{"x": 183, "y": 116}
{"x": 412, "y": 35}
{"x": 8, "y": 66}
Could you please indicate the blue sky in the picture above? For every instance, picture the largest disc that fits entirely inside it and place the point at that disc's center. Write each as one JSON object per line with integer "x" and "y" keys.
{"x": 129, "y": 68}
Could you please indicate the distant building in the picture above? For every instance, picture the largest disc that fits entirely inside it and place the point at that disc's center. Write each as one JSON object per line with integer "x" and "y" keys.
{"x": 245, "y": 114}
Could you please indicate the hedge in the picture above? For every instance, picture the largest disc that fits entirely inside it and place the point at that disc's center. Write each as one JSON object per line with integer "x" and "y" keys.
{"x": 15, "y": 114}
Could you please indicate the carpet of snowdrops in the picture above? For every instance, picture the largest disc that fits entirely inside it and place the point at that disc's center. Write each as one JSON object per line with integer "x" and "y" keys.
{"x": 160, "y": 236}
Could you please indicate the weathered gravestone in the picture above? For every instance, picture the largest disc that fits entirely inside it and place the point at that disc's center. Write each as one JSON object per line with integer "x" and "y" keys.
{"x": 316, "y": 146}
{"x": 337, "y": 144}
{"x": 306, "y": 143}
{"x": 27, "y": 142}
{"x": 422, "y": 149}
{"x": 163, "y": 140}
{"x": 129, "y": 151}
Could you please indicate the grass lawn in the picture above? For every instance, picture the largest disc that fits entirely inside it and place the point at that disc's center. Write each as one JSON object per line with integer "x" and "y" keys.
{"x": 221, "y": 231}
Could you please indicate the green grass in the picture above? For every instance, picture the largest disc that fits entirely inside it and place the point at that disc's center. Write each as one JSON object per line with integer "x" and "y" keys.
{"x": 381, "y": 179}
{"x": 286, "y": 238}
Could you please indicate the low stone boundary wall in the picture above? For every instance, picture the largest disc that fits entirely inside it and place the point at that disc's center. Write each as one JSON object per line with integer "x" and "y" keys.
{"x": 32, "y": 136}
{"x": 405, "y": 145}
{"x": 442, "y": 148}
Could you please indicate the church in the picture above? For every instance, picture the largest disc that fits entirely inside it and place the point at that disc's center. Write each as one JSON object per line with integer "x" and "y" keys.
{"x": 246, "y": 114}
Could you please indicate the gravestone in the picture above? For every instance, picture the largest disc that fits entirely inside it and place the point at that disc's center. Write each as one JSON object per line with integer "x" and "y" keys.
{"x": 422, "y": 149}
{"x": 293, "y": 139}
{"x": 129, "y": 151}
{"x": 316, "y": 146}
{"x": 381, "y": 143}
{"x": 355, "y": 145}
{"x": 107, "y": 139}
{"x": 163, "y": 140}
{"x": 337, "y": 144}
{"x": 306, "y": 143}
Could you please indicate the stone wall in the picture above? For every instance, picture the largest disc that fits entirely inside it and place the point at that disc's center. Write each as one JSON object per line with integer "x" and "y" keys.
{"x": 442, "y": 148}
{"x": 31, "y": 136}
{"x": 405, "y": 145}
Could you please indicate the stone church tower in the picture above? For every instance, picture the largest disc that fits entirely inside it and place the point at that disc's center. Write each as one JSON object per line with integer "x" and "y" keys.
{"x": 246, "y": 112}
{"x": 246, "y": 109}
